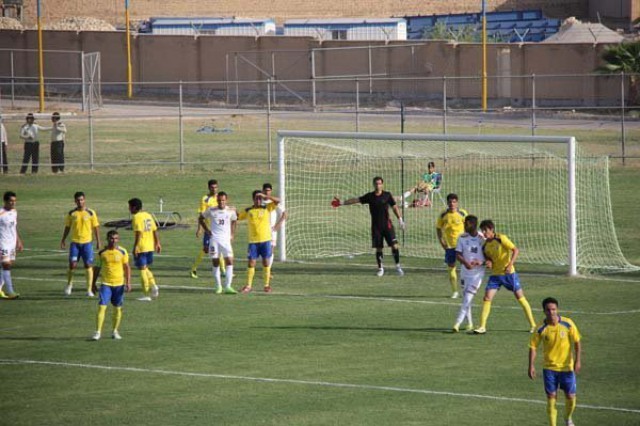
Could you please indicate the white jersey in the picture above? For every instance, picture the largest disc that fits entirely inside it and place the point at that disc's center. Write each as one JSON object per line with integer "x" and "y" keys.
{"x": 471, "y": 249}
{"x": 220, "y": 220}
{"x": 8, "y": 229}
{"x": 275, "y": 215}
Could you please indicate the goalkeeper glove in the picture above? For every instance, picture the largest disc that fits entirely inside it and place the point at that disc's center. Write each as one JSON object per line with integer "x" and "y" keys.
{"x": 336, "y": 203}
{"x": 402, "y": 224}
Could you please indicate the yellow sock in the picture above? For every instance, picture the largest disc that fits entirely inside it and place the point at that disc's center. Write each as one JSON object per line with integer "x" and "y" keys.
{"x": 70, "y": 276}
{"x": 198, "y": 260}
{"x": 89, "y": 278}
{"x": 144, "y": 280}
{"x": 222, "y": 265}
{"x": 102, "y": 310}
{"x": 250, "y": 274}
{"x": 453, "y": 279}
{"x": 266, "y": 275}
{"x": 552, "y": 412}
{"x": 150, "y": 277}
{"x": 486, "y": 310}
{"x": 527, "y": 310}
{"x": 116, "y": 318}
{"x": 569, "y": 407}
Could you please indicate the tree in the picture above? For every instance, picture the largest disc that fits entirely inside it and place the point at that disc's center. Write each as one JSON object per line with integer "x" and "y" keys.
{"x": 624, "y": 57}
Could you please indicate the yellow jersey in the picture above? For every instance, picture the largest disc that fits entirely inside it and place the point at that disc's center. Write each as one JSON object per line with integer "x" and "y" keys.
{"x": 259, "y": 221}
{"x": 144, "y": 223}
{"x": 81, "y": 224}
{"x": 451, "y": 224}
{"x": 208, "y": 201}
{"x": 499, "y": 250}
{"x": 111, "y": 262}
{"x": 557, "y": 341}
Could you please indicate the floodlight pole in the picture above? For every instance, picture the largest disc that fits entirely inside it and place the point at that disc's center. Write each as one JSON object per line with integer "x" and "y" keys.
{"x": 484, "y": 55}
{"x": 40, "y": 57}
{"x": 129, "y": 72}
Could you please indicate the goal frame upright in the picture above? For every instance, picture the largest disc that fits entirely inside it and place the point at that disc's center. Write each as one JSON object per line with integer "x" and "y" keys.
{"x": 569, "y": 141}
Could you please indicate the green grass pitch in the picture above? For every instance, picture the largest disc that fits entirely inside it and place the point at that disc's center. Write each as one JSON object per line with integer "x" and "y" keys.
{"x": 332, "y": 345}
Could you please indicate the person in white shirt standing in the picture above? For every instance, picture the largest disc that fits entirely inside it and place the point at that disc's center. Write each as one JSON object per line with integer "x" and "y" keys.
{"x": 9, "y": 242}
{"x": 222, "y": 227}
{"x": 29, "y": 133}
{"x": 58, "y": 134}
{"x": 469, "y": 253}
{"x": 278, "y": 216}
{"x": 4, "y": 143}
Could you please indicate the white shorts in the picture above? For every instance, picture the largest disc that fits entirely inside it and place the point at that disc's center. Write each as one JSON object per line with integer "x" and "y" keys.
{"x": 472, "y": 282}
{"x": 7, "y": 254}
{"x": 218, "y": 249}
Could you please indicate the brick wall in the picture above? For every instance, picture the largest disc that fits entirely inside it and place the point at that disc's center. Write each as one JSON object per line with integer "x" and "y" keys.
{"x": 113, "y": 10}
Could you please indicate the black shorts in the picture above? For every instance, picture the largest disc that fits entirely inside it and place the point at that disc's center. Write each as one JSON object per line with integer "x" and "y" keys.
{"x": 379, "y": 236}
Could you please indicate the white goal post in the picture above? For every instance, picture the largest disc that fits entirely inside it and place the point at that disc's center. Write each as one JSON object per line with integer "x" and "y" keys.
{"x": 540, "y": 190}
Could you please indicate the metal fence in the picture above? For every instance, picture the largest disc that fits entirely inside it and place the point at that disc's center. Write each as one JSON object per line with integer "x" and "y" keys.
{"x": 204, "y": 124}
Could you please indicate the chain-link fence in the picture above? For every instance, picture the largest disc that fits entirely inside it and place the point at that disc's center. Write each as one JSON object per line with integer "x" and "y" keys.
{"x": 204, "y": 124}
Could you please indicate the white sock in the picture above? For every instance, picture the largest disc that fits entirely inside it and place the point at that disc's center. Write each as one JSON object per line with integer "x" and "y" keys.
{"x": 6, "y": 277}
{"x": 229, "y": 278}
{"x": 271, "y": 259}
{"x": 465, "y": 309}
{"x": 216, "y": 275}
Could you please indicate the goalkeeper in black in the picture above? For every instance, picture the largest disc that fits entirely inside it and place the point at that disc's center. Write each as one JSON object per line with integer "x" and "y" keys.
{"x": 382, "y": 229}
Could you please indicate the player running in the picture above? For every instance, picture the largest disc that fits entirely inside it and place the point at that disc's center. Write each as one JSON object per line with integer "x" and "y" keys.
{"x": 382, "y": 229}
{"x": 222, "y": 228}
{"x": 82, "y": 223}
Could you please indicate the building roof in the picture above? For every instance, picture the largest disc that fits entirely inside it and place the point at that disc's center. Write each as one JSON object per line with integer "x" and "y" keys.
{"x": 207, "y": 21}
{"x": 344, "y": 21}
{"x": 574, "y": 31}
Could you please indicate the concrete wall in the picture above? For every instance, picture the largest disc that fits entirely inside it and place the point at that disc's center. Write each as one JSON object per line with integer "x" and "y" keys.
{"x": 113, "y": 10}
{"x": 214, "y": 58}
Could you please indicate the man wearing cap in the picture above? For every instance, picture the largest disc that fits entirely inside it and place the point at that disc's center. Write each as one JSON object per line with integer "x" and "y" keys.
{"x": 29, "y": 133}
{"x": 58, "y": 133}
{"x": 4, "y": 141}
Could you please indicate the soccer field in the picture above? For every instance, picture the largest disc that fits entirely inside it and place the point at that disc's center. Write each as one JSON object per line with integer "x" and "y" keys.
{"x": 332, "y": 345}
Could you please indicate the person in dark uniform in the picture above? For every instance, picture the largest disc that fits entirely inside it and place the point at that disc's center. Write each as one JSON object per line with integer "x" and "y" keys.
{"x": 382, "y": 229}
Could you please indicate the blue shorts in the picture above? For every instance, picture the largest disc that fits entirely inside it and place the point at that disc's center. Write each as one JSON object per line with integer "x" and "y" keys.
{"x": 450, "y": 256}
{"x": 206, "y": 242}
{"x": 107, "y": 294}
{"x": 79, "y": 251}
{"x": 509, "y": 281}
{"x": 565, "y": 380}
{"x": 259, "y": 250}
{"x": 143, "y": 259}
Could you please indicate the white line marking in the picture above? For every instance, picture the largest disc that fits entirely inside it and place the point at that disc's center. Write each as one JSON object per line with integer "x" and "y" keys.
{"x": 306, "y": 382}
{"x": 337, "y": 296}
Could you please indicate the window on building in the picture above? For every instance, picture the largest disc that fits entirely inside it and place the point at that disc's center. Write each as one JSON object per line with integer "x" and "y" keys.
{"x": 338, "y": 34}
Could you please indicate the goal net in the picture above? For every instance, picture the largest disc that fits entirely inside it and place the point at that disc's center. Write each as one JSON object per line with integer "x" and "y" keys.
{"x": 551, "y": 199}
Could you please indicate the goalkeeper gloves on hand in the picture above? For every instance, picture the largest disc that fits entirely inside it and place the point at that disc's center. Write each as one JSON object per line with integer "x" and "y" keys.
{"x": 402, "y": 224}
{"x": 336, "y": 203}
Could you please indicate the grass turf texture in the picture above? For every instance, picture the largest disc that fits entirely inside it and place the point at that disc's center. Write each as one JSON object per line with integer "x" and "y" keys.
{"x": 196, "y": 358}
